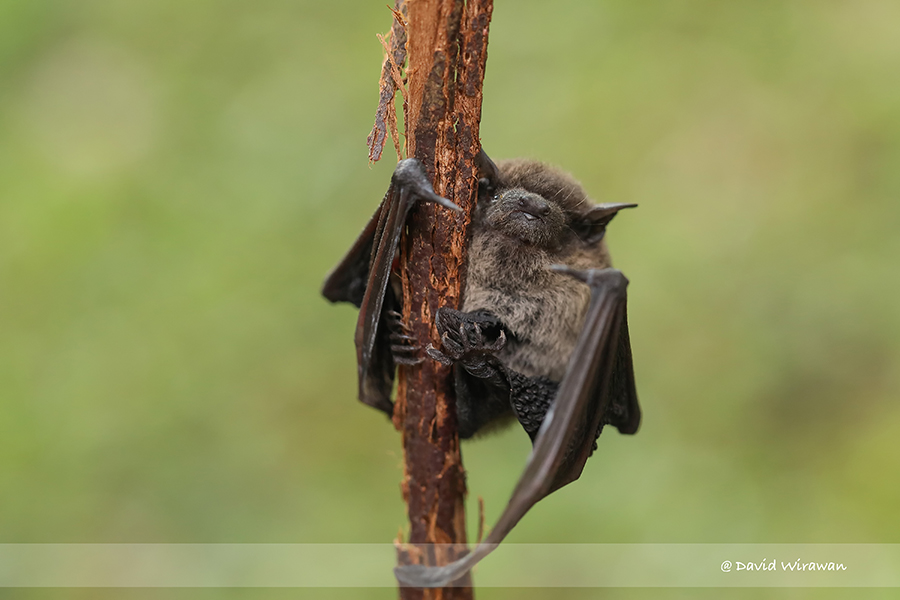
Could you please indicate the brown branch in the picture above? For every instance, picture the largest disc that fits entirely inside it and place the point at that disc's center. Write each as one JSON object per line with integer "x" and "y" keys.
{"x": 446, "y": 50}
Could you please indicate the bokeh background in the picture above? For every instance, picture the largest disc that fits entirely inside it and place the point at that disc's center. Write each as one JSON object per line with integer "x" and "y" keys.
{"x": 176, "y": 178}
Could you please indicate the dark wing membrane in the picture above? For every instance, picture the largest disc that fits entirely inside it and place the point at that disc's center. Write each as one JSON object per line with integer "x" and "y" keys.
{"x": 623, "y": 412}
{"x": 347, "y": 281}
{"x": 566, "y": 437}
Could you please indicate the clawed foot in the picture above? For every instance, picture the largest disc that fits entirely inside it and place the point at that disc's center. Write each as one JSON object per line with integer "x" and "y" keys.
{"x": 404, "y": 348}
{"x": 463, "y": 341}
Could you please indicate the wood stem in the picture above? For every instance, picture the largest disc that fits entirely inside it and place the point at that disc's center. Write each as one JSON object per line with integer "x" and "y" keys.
{"x": 446, "y": 54}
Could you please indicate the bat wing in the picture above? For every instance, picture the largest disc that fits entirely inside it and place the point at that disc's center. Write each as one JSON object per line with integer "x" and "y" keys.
{"x": 599, "y": 376}
{"x": 362, "y": 278}
{"x": 347, "y": 281}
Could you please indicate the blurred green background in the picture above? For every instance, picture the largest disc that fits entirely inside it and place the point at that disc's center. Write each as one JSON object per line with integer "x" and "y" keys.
{"x": 176, "y": 178}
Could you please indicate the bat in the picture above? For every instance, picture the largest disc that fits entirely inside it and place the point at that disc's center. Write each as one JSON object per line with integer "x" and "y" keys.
{"x": 542, "y": 336}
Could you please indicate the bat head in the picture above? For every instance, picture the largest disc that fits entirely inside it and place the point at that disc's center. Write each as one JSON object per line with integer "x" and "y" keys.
{"x": 540, "y": 205}
{"x": 524, "y": 215}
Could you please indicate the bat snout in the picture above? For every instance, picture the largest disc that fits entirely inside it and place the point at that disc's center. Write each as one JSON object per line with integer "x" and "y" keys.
{"x": 533, "y": 206}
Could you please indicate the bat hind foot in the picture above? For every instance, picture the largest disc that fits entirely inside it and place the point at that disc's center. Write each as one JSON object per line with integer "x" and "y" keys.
{"x": 404, "y": 347}
{"x": 471, "y": 339}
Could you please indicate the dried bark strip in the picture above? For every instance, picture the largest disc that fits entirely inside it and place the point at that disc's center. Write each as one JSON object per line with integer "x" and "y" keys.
{"x": 385, "y": 117}
{"x": 391, "y": 114}
{"x": 447, "y": 50}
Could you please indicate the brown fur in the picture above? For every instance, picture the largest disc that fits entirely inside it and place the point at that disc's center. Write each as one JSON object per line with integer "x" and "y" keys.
{"x": 508, "y": 271}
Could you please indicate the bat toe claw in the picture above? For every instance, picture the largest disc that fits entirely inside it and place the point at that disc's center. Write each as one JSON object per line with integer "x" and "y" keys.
{"x": 402, "y": 338}
{"x": 437, "y": 355}
{"x": 399, "y": 360}
{"x": 466, "y": 344}
{"x": 454, "y": 348}
{"x": 404, "y": 348}
{"x": 498, "y": 345}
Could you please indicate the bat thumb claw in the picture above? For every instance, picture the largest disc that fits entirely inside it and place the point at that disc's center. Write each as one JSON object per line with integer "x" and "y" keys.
{"x": 593, "y": 277}
{"x": 411, "y": 172}
{"x": 444, "y": 202}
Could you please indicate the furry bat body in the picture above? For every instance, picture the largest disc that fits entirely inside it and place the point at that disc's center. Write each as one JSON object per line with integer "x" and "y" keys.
{"x": 532, "y": 340}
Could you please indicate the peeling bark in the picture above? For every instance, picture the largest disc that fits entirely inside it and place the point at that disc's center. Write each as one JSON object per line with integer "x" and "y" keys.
{"x": 390, "y": 82}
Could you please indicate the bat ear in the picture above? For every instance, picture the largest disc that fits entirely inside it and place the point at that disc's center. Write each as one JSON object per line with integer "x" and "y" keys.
{"x": 488, "y": 173}
{"x": 592, "y": 226}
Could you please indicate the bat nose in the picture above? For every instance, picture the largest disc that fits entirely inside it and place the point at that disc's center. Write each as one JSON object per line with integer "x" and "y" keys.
{"x": 534, "y": 205}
